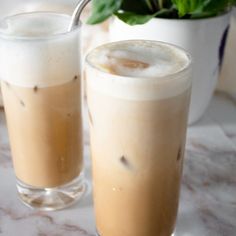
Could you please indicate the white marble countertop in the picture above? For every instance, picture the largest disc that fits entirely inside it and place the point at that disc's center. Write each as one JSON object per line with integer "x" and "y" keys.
{"x": 208, "y": 196}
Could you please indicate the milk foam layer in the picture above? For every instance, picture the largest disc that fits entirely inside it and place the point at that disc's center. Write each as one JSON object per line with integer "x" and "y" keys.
{"x": 152, "y": 60}
{"x": 139, "y": 70}
{"x": 35, "y": 50}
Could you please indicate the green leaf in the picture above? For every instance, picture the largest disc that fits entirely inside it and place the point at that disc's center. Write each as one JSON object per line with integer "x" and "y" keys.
{"x": 133, "y": 18}
{"x": 200, "y": 15}
{"x": 145, "y": 7}
{"x": 185, "y": 7}
{"x": 218, "y": 6}
{"x": 141, "y": 7}
{"x": 137, "y": 19}
{"x": 103, "y": 9}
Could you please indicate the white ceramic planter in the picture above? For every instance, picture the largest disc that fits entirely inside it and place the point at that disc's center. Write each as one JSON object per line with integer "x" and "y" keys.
{"x": 227, "y": 82}
{"x": 203, "y": 38}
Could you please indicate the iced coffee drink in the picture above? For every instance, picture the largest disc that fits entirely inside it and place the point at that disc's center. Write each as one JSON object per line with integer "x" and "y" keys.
{"x": 138, "y": 100}
{"x": 40, "y": 79}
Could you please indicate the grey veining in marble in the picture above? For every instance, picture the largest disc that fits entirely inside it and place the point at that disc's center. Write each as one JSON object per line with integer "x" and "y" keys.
{"x": 208, "y": 196}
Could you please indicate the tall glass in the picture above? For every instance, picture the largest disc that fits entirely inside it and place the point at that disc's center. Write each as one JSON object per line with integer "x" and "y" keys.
{"x": 138, "y": 117}
{"x": 40, "y": 78}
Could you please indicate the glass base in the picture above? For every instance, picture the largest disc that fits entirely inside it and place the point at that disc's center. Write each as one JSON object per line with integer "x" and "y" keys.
{"x": 50, "y": 199}
{"x": 97, "y": 234}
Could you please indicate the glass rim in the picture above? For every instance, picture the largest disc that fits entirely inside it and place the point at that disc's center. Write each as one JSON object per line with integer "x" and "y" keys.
{"x": 37, "y": 38}
{"x": 160, "y": 79}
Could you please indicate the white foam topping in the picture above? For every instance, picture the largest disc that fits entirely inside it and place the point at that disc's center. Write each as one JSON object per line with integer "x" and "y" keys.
{"x": 139, "y": 70}
{"x": 35, "y": 50}
{"x": 140, "y": 59}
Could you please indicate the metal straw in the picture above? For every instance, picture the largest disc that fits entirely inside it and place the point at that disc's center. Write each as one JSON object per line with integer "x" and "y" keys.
{"x": 75, "y": 19}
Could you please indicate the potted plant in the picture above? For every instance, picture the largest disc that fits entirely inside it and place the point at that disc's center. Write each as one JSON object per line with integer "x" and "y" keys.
{"x": 198, "y": 26}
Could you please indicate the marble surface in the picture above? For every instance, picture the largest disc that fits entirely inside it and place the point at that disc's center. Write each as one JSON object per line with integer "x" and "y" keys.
{"x": 208, "y": 195}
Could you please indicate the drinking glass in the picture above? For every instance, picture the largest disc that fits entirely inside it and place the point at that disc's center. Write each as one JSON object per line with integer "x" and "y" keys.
{"x": 138, "y": 129}
{"x": 41, "y": 86}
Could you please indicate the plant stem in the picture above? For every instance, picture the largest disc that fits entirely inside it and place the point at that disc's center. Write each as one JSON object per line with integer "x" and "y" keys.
{"x": 160, "y": 3}
{"x": 149, "y": 4}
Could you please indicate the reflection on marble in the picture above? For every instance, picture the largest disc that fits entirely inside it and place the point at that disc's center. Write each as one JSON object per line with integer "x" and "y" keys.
{"x": 208, "y": 197}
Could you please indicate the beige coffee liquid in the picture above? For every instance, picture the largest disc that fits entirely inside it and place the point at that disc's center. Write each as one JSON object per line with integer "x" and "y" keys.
{"x": 45, "y": 132}
{"x": 138, "y": 128}
{"x": 41, "y": 92}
